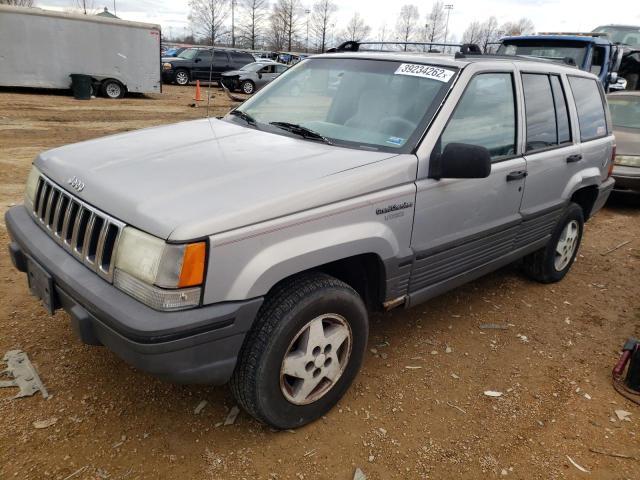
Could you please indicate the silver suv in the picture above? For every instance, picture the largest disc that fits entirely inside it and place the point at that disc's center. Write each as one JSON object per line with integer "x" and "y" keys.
{"x": 390, "y": 178}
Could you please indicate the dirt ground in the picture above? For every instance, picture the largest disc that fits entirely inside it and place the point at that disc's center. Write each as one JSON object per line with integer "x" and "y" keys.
{"x": 417, "y": 409}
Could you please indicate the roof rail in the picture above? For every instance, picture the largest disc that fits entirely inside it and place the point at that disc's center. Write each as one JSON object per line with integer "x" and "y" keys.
{"x": 531, "y": 58}
{"x": 575, "y": 34}
{"x": 354, "y": 46}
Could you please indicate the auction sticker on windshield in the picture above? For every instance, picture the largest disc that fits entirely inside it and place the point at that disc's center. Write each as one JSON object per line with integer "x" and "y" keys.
{"x": 425, "y": 71}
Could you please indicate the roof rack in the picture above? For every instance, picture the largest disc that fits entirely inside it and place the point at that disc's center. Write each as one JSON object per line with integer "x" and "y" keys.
{"x": 354, "y": 46}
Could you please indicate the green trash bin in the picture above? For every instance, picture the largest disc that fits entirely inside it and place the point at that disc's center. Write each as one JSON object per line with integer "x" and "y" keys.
{"x": 81, "y": 86}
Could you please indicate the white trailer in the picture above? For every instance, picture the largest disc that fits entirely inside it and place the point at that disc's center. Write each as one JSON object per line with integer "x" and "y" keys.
{"x": 41, "y": 48}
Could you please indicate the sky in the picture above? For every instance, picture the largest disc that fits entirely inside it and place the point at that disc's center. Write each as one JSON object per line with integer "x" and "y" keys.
{"x": 547, "y": 15}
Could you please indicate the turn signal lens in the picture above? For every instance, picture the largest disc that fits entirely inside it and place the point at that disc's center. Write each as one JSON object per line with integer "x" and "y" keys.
{"x": 192, "y": 272}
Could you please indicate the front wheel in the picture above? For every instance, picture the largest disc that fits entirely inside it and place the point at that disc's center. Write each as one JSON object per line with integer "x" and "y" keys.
{"x": 247, "y": 87}
{"x": 182, "y": 77}
{"x": 303, "y": 352}
{"x": 551, "y": 263}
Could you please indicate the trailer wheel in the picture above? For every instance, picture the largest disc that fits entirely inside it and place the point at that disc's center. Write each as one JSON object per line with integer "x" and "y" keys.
{"x": 113, "y": 89}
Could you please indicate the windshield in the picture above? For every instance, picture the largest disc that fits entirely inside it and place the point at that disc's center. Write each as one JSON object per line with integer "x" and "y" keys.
{"x": 189, "y": 53}
{"x": 253, "y": 67}
{"x": 546, "y": 49}
{"x": 625, "y": 35}
{"x": 625, "y": 111}
{"x": 358, "y": 103}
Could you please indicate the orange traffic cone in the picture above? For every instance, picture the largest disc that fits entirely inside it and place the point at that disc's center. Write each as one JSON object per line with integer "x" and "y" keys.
{"x": 198, "y": 97}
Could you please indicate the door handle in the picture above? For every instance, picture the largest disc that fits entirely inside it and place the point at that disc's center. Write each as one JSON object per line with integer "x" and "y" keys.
{"x": 574, "y": 158}
{"x": 517, "y": 175}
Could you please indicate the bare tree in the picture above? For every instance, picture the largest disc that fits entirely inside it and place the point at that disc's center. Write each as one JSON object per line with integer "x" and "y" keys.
{"x": 383, "y": 31}
{"x": 436, "y": 23}
{"x": 17, "y": 3}
{"x": 524, "y": 26}
{"x": 321, "y": 22}
{"x": 473, "y": 33}
{"x": 407, "y": 23}
{"x": 208, "y": 18}
{"x": 253, "y": 20}
{"x": 287, "y": 15}
{"x": 488, "y": 33}
{"x": 86, "y": 7}
{"x": 356, "y": 29}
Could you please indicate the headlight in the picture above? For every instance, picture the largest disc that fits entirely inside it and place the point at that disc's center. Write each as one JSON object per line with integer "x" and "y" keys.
{"x": 32, "y": 184}
{"x": 162, "y": 275}
{"x": 167, "y": 66}
{"x": 628, "y": 160}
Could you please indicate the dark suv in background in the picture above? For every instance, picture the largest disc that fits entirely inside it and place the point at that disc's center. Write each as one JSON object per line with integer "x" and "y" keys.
{"x": 195, "y": 64}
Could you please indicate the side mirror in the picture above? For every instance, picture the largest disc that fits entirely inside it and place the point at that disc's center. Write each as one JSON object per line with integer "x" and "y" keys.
{"x": 259, "y": 75}
{"x": 197, "y": 60}
{"x": 461, "y": 160}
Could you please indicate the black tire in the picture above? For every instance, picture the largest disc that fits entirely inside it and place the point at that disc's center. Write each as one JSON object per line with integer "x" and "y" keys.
{"x": 541, "y": 265}
{"x": 182, "y": 77}
{"x": 113, "y": 89}
{"x": 248, "y": 87}
{"x": 295, "y": 303}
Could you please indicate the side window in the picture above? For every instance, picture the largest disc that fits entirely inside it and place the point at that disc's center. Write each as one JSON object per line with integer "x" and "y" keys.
{"x": 562, "y": 114}
{"x": 542, "y": 131}
{"x": 485, "y": 116}
{"x": 220, "y": 58}
{"x": 204, "y": 55}
{"x": 280, "y": 68}
{"x": 591, "y": 116}
{"x": 267, "y": 69}
{"x": 597, "y": 60}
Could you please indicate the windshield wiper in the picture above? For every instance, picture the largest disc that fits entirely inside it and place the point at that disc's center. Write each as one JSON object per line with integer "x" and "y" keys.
{"x": 302, "y": 131}
{"x": 245, "y": 116}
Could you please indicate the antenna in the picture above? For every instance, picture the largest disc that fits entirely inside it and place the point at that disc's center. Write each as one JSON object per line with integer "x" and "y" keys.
{"x": 210, "y": 75}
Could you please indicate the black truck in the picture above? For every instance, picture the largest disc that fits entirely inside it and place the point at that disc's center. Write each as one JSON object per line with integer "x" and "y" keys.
{"x": 196, "y": 64}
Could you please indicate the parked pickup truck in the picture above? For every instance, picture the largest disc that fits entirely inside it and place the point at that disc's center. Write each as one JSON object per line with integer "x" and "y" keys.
{"x": 591, "y": 52}
{"x": 390, "y": 178}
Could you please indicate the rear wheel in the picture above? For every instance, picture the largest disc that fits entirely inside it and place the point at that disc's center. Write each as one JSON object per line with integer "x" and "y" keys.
{"x": 551, "y": 263}
{"x": 113, "y": 89}
{"x": 303, "y": 352}
{"x": 182, "y": 77}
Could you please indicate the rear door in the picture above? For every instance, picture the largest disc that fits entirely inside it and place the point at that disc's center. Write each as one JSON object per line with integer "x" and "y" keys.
{"x": 552, "y": 149}
{"x": 594, "y": 130}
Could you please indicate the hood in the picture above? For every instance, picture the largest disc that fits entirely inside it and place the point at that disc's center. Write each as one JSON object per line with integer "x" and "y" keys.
{"x": 627, "y": 141}
{"x": 197, "y": 178}
{"x": 174, "y": 60}
{"x": 232, "y": 73}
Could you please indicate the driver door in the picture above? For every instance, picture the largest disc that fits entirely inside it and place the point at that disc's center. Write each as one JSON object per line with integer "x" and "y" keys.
{"x": 463, "y": 225}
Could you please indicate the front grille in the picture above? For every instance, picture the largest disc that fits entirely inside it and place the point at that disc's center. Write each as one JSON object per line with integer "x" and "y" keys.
{"x": 87, "y": 233}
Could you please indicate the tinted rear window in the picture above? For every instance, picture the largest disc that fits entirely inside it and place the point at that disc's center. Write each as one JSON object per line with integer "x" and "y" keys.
{"x": 590, "y": 108}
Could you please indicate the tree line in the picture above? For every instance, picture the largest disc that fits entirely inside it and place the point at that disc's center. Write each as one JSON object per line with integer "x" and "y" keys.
{"x": 289, "y": 25}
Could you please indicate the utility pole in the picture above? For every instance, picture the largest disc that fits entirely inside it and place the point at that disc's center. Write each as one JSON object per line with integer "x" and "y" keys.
{"x": 307, "y": 11}
{"x": 233, "y": 23}
{"x": 448, "y": 8}
{"x": 115, "y": 12}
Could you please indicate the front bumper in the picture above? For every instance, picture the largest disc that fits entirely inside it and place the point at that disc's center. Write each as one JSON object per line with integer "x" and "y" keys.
{"x": 192, "y": 346}
{"x": 627, "y": 178}
{"x": 168, "y": 76}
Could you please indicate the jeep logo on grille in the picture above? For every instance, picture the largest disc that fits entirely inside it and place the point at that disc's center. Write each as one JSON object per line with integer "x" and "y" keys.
{"x": 76, "y": 183}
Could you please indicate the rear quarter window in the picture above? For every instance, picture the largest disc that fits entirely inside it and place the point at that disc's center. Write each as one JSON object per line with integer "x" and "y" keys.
{"x": 590, "y": 106}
